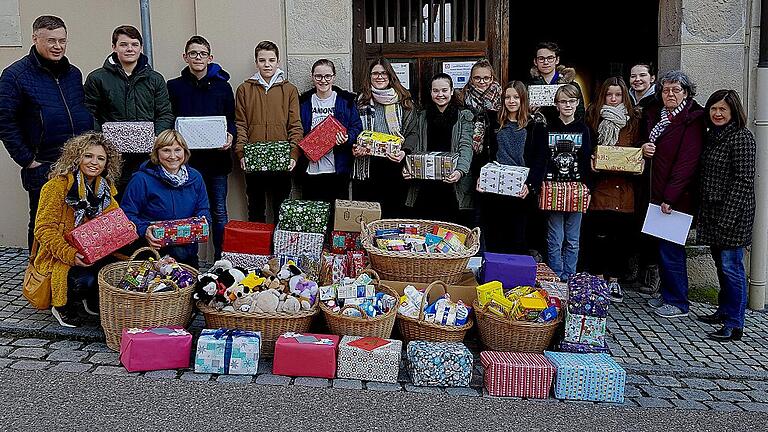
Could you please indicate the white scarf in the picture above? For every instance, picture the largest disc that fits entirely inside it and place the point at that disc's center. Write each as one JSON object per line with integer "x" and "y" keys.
{"x": 613, "y": 119}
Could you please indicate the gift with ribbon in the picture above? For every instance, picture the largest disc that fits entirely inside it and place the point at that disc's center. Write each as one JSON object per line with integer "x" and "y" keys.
{"x": 155, "y": 348}
{"x": 228, "y": 351}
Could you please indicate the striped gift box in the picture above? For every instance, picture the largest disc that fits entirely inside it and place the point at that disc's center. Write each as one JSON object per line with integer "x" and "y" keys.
{"x": 517, "y": 374}
{"x": 564, "y": 196}
{"x": 590, "y": 377}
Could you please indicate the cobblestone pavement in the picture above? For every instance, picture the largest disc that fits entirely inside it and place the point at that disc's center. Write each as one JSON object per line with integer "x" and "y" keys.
{"x": 670, "y": 363}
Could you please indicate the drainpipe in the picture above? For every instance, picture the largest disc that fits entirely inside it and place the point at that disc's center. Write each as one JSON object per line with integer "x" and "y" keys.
{"x": 759, "y": 258}
{"x": 146, "y": 29}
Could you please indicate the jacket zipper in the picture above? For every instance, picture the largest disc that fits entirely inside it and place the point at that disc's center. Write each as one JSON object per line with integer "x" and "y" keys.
{"x": 69, "y": 113}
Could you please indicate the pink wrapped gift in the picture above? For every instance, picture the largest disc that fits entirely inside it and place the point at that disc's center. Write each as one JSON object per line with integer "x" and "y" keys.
{"x": 307, "y": 354}
{"x": 102, "y": 235}
{"x": 155, "y": 348}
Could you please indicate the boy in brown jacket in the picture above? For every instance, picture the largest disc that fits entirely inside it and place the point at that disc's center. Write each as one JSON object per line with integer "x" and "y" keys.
{"x": 267, "y": 109}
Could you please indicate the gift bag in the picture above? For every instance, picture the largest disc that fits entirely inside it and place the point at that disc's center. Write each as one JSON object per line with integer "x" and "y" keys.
{"x": 268, "y": 156}
{"x": 102, "y": 235}
{"x": 564, "y": 196}
{"x": 130, "y": 137}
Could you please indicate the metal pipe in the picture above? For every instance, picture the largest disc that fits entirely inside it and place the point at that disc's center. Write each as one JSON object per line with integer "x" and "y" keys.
{"x": 146, "y": 29}
{"x": 758, "y": 263}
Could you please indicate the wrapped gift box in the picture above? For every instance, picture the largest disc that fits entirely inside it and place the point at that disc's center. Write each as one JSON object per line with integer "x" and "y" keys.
{"x": 439, "y": 364}
{"x": 591, "y": 377}
{"x": 102, "y": 235}
{"x": 225, "y": 351}
{"x": 310, "y": 355}
{"x": 304, "y": 216}
{"x": 298, "y": 243}
{"x": 246, "y": 261}
{"x": 588, "y": 300}
{"x": 545, "y": 274}
{"x": 334, "y": 268}
{"x": 379, "y": 364}
{"x": 564, "y": 196}
{"x": 379, "y": 144}
{"x": 181, "y": 231}
{"x": 349, "y": 214}
{"x": 542, "y": 94}
{"x": 585, "y": 330}
{"x": 432, "y": 165}
{"x": 155, "y": 348}
{"x": 322, "y": 138}
{"x": 511, "y": 270}
{"x": 248, "y": 237}
{"x": 517, "y": 374}
{"x": 130, "y": 137}
{"x": 502, "y": 179}
{"x": 345, "y": 241}
{"x": 207, "y": 132}
{"x": 267, "y": 156}
{"x": 620, "y": 159}
{"x": 310, "y": 265}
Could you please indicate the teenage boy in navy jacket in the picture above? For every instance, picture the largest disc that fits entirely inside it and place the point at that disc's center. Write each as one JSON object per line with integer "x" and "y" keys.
{"x": 203, "y": 90}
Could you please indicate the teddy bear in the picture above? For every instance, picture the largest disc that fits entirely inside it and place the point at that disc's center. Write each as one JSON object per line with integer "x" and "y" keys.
{"x": 298, "y": 284}
{"x": 288, "y": 303}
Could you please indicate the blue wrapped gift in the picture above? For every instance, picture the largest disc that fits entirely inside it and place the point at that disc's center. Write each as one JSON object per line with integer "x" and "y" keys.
{"x": 590, "y": 377}
{"x": 439, "y": 364}
{"x": 225, "y": 351}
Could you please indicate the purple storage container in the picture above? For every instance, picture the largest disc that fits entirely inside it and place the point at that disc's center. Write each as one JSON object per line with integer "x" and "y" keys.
{"x": 511, "y": 270}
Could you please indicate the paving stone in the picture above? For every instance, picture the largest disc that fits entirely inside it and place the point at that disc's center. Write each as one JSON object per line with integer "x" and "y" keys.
{"x": 161, "y": 374}
{"x": 67, "y": 355}
{"x": 112, "y": 370}
{"x": 72, "y": 367}
{"x": 236, "y": 379}
{"x": 757, "y": 395}
{"x": 29, "y": 353}
{"x": 730, "y": 396}
{"x": 425, "y": 390}
{"x": 389, "y": 387}
{"x": 66, "y": 344}
{"x": 658, "y": 392}
{"x": 269, "y": 379}
{"x": 732, "y": 385}
{"x": 462, "y": 391}
{"x": 701, "y": 384}
{"x": 31, "y": 342}
{"x": 754, "y": 406}
{"x": 693, "y": 394}
{"x": 349, "y": 384}
{"x": 722, "y": 406}
{"x": 664, "y": 381}
{"x": 688, "y": 404}
{"x": 191, "y": 376}
{"x": 4, "y": 362}
{"x": 5, "y": 340}
{"x": 636, "y": 379}
{"x": 30, "y": 365}
{"x": 100, "y": 347}
{"x": 758, "y": 385}
{"x": 631, "y": 391}
{"x": 105, "y": 358}
{"x": 311, "y": 382}
{"x": 5, "y": 350}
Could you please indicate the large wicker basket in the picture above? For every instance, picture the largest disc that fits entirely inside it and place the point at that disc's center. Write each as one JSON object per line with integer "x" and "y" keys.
{"x": 418, "y": 329}
{"x": 380, "y": 326}
{"x": 416, "y": 266}
{"x": 127, "y": 309}
{"x": 500, "y": 334}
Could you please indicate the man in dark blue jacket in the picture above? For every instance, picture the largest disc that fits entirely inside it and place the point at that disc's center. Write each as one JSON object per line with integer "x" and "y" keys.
{"x": 203, "y": 90}
{"x": 41, "y": 107}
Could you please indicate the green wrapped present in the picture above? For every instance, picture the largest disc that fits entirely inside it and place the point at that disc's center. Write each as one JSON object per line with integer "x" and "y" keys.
{"x": 267, "y": 156}
{"x": 304, "y": 216}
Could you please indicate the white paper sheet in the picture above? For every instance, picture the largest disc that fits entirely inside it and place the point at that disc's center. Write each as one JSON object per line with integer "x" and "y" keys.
{"x": 673, "y": 227}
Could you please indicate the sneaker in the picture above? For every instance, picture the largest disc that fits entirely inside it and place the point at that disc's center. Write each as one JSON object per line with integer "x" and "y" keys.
{"x": 669, "y": 311}
{"x": 66, "y": 316}
{"x": 91, "y": 308}
{"x": 616, "y": 294}
{"x": 656, "y": 302}
{"x": 652, "y": 281}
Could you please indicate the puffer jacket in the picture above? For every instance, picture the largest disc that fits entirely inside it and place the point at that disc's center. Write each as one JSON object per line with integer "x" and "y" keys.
{"x": 113, "y": 96}
{"x": 39, "y": 112}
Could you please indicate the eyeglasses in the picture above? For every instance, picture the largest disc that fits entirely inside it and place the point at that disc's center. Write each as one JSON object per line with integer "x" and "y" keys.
{"x": 379, "y": 75}
{"x": 670, "y": 90}
{"x": 568, "y": 102}
{"x": 53, "y": 42}
{"x": 320, "y": 78}
{"x": 198, "y": 54}
{"x": 547, "y": 59}
{"x": 482, "y": 79}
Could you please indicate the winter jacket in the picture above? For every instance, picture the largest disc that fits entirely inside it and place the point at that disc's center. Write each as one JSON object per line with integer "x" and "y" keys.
{"x": 543, "y": 164}
{"x": 461, "y": 143}
{"x": 55, "y": 218}
{"x": 727, "y": 188}
{"x": 565, "y": 75}
{"x": 113, "y": 96}
{"x": 615, "y": 191}
{"x": 678, "y": 150}
{"x": 209, "y": 96}
{"x": 39, "y": 112}
{"x": 345, "y": 111}
{"x": 150, "y": 197}
{"x": 267, "y": 115}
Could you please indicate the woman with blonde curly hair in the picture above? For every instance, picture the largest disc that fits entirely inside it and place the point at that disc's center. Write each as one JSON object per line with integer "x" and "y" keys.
{"x": 80, "y": 187}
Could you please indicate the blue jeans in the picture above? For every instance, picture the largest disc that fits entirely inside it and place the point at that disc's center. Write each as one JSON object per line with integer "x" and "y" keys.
{"x": 216, "y": 186}
{"x": 673, "y": 272}
{"x": 733, "y": 285}
{"x": 563, "y": 231}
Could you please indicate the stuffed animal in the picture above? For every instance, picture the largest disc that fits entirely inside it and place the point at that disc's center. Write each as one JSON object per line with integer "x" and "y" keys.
{"x": 305, "y": 289}
{"x": 266, "y": 301}
{"x": 205, "y": 288}
{"x": 245, "y": 298}
{"x": 288, "y": 303}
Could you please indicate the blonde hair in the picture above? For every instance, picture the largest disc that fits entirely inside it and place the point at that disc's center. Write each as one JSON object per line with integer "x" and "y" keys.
{"x": 75, "y": 148}
{"x": 168, "y": 138}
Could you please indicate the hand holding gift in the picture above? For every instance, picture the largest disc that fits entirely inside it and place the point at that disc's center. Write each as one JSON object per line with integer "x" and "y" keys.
{"x": 228, "y": 144}
{"x": 341, "y": 138}
{"x": 151, "y": 239}
{"x": 79, "y": 260}
{"x": 396, "y": 156}
{"x": 454, "y": 177}
{"x": 407, "y": 174}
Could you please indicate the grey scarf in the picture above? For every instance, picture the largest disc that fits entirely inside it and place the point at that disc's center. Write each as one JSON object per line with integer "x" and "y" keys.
{"x": 613, "y": 119}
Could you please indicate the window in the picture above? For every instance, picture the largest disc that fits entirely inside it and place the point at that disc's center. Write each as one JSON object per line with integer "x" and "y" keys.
{"x": 398, "y": 21}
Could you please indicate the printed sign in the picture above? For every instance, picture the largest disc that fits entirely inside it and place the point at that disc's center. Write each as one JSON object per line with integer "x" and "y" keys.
{"x": 459, "y": 72}
{"x": 542, "y": 95}
{"x": 403, "y": 72}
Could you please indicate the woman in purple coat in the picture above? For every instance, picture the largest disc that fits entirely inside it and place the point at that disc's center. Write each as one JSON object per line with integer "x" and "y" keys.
{"x": 675, "y": 142}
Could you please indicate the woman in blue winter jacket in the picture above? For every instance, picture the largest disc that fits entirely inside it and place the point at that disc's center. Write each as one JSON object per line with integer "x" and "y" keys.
{"x": 166, "y": 188}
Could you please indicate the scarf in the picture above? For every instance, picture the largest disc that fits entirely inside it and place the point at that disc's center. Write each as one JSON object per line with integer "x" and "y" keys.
{"x": 488, "y": 100}
{"x": 666, "y": 119}
{"x": 176, "y": 180}
{"x": 613, "y": 119}
{"x": 88, "y": 201}
{"x": 440, "y": 127}
{"x": 392, "y": 114}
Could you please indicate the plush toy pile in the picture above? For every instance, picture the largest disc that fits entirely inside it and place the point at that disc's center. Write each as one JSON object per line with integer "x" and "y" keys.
{"x": 359, "y": 292}
{"x": 149, "y": 276}
{"x": 442, "y": 311}
{"x": 406, "y": 237}
{"x": 269, "y": 289}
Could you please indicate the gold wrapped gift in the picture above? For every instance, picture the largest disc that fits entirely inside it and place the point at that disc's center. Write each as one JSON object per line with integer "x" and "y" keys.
{"x": 621, "y": 159}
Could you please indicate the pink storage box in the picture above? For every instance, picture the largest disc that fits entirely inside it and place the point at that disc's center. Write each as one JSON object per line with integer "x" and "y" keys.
{"x": 155, "y": 349}
{"x": 293, "y": 358}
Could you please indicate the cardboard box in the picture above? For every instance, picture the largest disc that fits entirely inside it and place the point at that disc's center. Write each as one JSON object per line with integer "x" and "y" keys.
{"x": 349, "y": 214}
{"x": 205, "y": 132}
{"x": 511, "y": 270}
{"x": 620, "y": 159}
{"x": 465, "y": 289}
{"x": 155, "y": 348}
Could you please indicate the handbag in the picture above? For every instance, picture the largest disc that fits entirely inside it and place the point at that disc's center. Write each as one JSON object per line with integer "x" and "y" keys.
{"x": 36, "y": 286}
{"x": 564, "y": 197}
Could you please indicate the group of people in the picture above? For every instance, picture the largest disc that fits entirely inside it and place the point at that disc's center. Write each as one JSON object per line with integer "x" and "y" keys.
{"x": 696, "y": 158}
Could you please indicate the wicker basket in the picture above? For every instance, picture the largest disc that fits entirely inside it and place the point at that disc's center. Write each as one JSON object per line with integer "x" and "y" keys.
{"x": 500, "y": 334}
{"x": 127, "y": 309}
{"x": 418, "y": 329}
{"x": 380, "y": 326}
{"x": 421, "y": 267}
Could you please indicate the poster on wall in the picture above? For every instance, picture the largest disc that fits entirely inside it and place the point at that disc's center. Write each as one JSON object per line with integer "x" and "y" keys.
{"x": 403, "y": 72}
{"x": 459, "y": 72}
{"x": 543, "y": 94}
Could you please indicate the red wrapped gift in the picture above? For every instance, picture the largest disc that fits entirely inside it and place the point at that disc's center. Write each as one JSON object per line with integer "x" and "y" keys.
{"x": 306, "y": 354}
{"x": 102, "y": 235}
{"x": 155, "y": 348}
{"x": 322, "y": 138}
{"x": 517, "y": 374}
{"x": 355, "y": 263}
{"x": 252, "y": 238}
{"x": 181, "y": 231}
{"x": 345, "y": 241}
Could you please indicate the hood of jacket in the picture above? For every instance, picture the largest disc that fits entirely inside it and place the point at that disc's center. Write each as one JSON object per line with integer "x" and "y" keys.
{"x": 567, "y": 74}
{"x": 277, "y": 79}
{"x": 112, "y": 64}
{"x": 151, "y": 169}
{"x": 347, "y": 96}
{"x": 215, "y": 72}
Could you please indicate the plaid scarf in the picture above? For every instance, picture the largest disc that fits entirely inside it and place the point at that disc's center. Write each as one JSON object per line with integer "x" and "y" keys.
{"x": 88, "y": 201}
{"x": 666, "y": 119}
{"x": 393, "y": 113}
{"x": 488, "y": 100}
{"x": 177, "y": 179}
